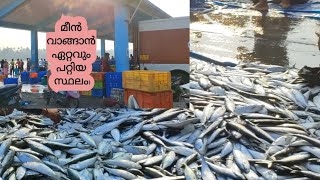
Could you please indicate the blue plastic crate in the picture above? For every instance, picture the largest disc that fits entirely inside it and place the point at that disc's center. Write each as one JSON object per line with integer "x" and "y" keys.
{"x": 97, "y": 92}
{"x": 33, "y": 80}
{"x": 41, "y": 74}
{"x": 24, "y": 77}
{"x": 23, "y": 74}
{"x": 112, "y": 80}
{"x": 97, "y": 61}
{"x": 10, "y": 81}
{"x": 96, "y": 68}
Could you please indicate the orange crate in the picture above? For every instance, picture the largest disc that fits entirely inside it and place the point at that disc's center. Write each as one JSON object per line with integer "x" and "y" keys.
{"x": 98, "y": 76}
{"x": 148, "y": 81}
{"x": 33, "y": 75}
{"x": 2, "y": 77}
{"x": 162, "y": 99}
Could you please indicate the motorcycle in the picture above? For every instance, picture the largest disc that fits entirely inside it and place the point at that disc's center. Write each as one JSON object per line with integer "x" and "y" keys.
{"x": 10, "y": 95}
{"x": 66, "y": 98}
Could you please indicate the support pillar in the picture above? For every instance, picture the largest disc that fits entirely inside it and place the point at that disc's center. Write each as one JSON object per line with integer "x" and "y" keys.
{"x": 34, "y": 50}
{"x": 121, "y": 37}
{"x": 103, "y": 47}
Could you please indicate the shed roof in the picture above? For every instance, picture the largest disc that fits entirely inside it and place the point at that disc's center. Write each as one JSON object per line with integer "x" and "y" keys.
{"x": 41, "y": 15}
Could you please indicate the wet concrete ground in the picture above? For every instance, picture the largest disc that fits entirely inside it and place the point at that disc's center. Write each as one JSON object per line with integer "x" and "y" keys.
{"x": 240, "y": 34}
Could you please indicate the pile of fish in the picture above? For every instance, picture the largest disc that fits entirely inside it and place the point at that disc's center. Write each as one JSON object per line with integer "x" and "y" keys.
{"x": 251, "y": 121}
{"x": 256, "y": 121}
{"x": 93, "y": 144}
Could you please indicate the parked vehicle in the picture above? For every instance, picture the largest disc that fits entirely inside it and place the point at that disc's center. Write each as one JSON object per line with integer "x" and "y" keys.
{"x": 163, "y": 45}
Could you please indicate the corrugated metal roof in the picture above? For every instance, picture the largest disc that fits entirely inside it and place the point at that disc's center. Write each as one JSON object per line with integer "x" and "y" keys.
{"x": 41, "y": 15}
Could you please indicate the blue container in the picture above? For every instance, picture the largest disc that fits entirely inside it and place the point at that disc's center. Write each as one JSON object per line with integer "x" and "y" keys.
{"x": 41, "y": 74}
{"x": 25, "y": 81}
{"x": 112, "y": 80}
{"x": 33, "y": 80}
{"x": 96, "y": 68}
{"x": 10, "y": 81}
{"x": 25, "y": 77}
{"x": 97, "y": 92}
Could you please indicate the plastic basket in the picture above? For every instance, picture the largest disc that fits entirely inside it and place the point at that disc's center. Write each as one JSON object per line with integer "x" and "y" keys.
{"x": 33, "y": 80}
{"x": 41, "y": 74}
{"x": 148, "y": 81}
{"x": 98, "y": 85}
{"x": 97, "y": 92}
{"x": 24, "y": 76}
{"x": 10, "y": 81}
{"x": 112, "y": 80}
{"x": 162, "y": 99}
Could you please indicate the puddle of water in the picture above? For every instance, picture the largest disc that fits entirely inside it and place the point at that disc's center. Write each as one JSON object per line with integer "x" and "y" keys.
{"x": 246, "y": 35}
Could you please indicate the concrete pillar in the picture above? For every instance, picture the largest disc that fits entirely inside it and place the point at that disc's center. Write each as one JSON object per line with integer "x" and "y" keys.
{"x": 103, "y": 47}
{"x": 121, "y": 37}
{"x": 34, "y": 50}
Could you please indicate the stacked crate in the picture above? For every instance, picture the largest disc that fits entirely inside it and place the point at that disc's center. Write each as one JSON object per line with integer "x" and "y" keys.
{"x": 113, "y": 81}
{"x": 152, "y": 89}
{"x": 97, "y": 90}
{"x": 96, "y": 66}
{"x": 24, "y": 77}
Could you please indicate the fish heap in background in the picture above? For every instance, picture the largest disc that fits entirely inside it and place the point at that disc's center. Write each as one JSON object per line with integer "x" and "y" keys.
{"x": 244, "y": 122}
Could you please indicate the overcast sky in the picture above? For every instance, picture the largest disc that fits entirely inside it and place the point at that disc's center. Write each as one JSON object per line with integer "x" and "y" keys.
{"x": 21, "y": 38}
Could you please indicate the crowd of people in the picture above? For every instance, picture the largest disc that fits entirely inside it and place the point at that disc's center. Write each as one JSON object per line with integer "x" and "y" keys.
{"x": 16, "y": 67}
{"x": 107, "y": 61}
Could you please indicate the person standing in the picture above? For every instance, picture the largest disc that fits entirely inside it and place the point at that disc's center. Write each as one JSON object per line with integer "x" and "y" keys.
{"x": 22, "y": 66}
{"x": 28, "y": 65}
{"x": 2, "y": 63}
{"x": 5, "y": 68}
{"x": 105, "y": 63}
{"x": 18, "y": 64}
{"x": 12, "y": 67}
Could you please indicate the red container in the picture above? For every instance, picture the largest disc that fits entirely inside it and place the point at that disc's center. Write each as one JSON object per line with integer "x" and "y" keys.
{"x": 33, "y": 75}
{"x": 163, "y": 99}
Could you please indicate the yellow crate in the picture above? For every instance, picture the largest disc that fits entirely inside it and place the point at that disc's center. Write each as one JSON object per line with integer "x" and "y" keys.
{"x": 85, "y": 93}
{"x": 148, "y": 81}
